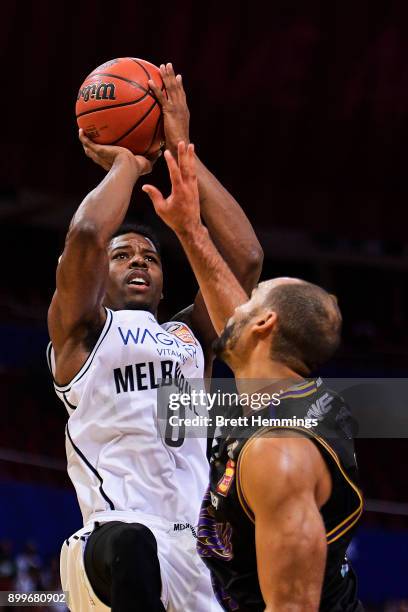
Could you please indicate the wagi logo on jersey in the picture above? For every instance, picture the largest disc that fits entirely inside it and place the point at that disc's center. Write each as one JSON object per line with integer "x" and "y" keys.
{"x": 152, "y": 357}
{"x": 166, "y": 344}
{"x": 182, "y": 331}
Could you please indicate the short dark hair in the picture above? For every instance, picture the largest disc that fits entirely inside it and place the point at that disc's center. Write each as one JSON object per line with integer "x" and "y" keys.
{"x": 138, "y": 228}
{"x": 308, "y": 329}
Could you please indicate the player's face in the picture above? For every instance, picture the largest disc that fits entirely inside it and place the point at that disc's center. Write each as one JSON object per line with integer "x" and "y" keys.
{"x": 237, "y": 340}
{"x": 231, "y": 345}
{"x": 135, "y": 279}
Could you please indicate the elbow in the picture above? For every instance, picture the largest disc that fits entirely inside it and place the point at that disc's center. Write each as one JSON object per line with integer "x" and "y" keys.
{"x": 84, "y": 231}
{"x": 256, "y": 260}
{"x": 252, "y": 268}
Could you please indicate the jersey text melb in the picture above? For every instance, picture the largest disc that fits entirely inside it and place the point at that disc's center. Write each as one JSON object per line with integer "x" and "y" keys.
{"x": 121, "y": 452}
{"x": 143, "y": 376}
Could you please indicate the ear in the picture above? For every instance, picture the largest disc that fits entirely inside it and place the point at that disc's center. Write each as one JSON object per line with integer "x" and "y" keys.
{"x": 265, "y": 322}
{"x": 162, "y": 297}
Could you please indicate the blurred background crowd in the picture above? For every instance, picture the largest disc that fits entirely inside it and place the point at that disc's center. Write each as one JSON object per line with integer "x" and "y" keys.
{"x": 302, "y": 113}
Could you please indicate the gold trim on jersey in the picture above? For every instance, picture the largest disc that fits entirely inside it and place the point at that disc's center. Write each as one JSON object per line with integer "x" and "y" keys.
{"x": 297, "y": 395}
{"x": 333, "y": 534}
{"x": 308, "y": 388}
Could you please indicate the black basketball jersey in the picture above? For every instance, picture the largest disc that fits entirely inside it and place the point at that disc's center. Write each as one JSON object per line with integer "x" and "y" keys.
{"x": 226, "y": 532}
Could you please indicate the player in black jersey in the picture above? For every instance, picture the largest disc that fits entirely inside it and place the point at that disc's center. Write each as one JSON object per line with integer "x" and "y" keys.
{"x": 283, "y": 501}
{"x": 285, "y": 495}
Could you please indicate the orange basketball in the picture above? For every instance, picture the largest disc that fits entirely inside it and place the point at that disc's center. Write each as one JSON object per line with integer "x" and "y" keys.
{"x": 115, "y": 105}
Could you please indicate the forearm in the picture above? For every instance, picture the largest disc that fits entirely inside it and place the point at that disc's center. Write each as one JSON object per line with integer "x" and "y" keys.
{"x": 289, "y": 581}
{"x": 221, "y": 291}
{"x": 104, "y": 209}
{"x": 83, "y": 266}
{"x": 229, "y": 228}
{"x": 227, "y": 223}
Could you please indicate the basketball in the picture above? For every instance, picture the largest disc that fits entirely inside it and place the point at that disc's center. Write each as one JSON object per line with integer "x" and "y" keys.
{"x": 115, "y": 105}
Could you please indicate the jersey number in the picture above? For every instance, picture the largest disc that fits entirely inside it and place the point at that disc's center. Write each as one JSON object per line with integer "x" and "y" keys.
{"x": 175, "y": 428}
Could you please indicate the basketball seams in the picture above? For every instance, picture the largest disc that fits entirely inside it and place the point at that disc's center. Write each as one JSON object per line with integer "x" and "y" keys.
{"x": 135, "y": 125}
{"x": 145, "y": 70}
{"x": 121, "y": 78}
{"x": 156, "y": 129}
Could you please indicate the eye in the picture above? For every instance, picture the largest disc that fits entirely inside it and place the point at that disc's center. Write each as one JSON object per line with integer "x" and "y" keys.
{"x": 150, "y": 258}
{"x": 120, "y": 255}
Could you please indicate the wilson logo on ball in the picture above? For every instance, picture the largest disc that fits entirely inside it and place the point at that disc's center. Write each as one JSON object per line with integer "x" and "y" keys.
{"x": 103, "y": 91}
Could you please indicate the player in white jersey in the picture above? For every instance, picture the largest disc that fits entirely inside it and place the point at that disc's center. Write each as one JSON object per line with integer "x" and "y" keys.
{"x": 139, "y": 491}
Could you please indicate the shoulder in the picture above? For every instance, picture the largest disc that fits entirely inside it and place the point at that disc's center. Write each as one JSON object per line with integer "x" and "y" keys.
{"x": 184, "y": 316}
{"x": 280, "y": 453}
{"x": 279, "y": 465}
{"x": 181, "y": 330}
{"x": 196, "y": 319}
{"x": 182, "y": 325}
{"x": 69, "y": 358}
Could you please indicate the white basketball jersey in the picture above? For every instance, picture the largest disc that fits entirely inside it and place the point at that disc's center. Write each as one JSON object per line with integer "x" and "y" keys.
{"x": 118, "y": 460}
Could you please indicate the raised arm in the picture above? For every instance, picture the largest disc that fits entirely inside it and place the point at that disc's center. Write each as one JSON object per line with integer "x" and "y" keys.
{"x": 229, "y": 227}
{"x": 285, "y": 481}
{"x": 221, "y": 291}
{"x": 76, "y": 307}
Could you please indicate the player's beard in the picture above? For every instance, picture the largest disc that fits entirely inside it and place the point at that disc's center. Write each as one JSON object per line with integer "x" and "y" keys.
{"x": 227, "y": 342}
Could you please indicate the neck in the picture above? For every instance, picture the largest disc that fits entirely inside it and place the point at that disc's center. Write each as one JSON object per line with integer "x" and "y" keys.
{"x": 264, "y": 374}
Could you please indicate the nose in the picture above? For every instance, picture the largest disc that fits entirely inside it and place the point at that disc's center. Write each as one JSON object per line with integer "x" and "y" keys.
{"x": 138, "y": 261}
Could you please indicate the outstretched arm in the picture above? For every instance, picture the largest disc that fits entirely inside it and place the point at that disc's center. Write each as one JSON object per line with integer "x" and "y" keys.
{"x": 230, "y": 229}
{"x": 82, "y": 270}
{"x": 285, "y": 495}
{"x": 221, "y": 291}
{"x": 225, "y": 220}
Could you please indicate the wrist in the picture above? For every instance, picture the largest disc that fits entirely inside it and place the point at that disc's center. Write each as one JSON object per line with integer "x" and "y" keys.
{"x": 194, "y": 232}
{"x": 127, "y": 159}
{"x": 124, "y": 158}
{"x": 172, "y": 145}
